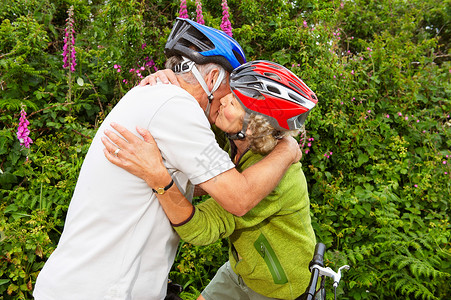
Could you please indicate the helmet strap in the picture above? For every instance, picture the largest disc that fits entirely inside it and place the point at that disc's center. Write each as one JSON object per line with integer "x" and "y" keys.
{"x": 241, "y": 135}
{"x": 202, "y": 82}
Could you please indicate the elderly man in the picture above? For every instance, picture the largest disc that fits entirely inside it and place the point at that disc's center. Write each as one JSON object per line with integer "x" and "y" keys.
{"x": 117, "y": 242}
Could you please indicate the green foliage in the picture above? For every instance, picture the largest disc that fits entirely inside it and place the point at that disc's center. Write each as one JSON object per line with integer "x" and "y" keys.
{"x": 377, "y": 151}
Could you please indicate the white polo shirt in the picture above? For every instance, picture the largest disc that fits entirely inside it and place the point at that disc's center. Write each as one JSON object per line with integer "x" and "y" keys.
{"x": 117, "y": 242}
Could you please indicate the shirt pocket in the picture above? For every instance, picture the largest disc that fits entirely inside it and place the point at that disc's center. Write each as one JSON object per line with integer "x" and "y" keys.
{"x": 269, "y": 256}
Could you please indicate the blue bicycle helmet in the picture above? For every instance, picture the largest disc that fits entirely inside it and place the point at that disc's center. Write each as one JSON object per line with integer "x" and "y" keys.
{"x": 203, "y": 44}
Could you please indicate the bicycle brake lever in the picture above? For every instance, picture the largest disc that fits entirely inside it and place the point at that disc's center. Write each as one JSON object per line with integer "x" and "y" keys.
{"x": 337, "y": 276}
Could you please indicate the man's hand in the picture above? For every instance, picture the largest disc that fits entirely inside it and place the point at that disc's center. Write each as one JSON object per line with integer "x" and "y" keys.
{"x": 290, "y": 145}
{"x": 139, "y": 157}
{"x": 166, "y": 76}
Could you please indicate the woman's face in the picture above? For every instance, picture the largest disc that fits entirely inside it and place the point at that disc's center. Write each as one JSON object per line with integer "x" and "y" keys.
{"x": 230, "y": 114}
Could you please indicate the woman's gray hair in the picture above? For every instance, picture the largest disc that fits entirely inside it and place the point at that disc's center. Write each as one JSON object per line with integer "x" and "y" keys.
{"x": 189, "y": 77}
{"x": 263, "y": 137}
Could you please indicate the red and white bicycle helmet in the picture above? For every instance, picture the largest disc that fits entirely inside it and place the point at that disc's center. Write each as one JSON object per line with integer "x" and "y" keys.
{"x": 271, "y": 90}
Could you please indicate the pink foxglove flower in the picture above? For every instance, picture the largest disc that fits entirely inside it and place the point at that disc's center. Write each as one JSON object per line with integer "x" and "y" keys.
{"x": 199, "y": 16}
{"x": 183, "y": 12}
{"x": 226, "y": 26}
{"x": 23, "y": 131}
{"x": 69, "y": 60}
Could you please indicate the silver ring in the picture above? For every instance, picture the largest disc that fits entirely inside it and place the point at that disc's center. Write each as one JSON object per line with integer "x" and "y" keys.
{"x": 116, "y": 151}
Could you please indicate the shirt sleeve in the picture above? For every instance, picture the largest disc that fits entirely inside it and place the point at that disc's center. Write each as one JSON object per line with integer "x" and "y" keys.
{"x": 209, "y": 223}
{"x": 186, "y": 141}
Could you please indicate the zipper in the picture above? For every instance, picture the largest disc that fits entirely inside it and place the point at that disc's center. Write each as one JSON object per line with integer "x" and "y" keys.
{"x": 267, "y": 253}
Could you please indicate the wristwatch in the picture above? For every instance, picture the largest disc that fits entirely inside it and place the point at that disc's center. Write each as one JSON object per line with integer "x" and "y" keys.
{"x": 162, "y": 190}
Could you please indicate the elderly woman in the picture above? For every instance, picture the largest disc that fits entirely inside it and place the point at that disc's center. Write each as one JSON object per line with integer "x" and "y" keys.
{"x": 271, "y": 245}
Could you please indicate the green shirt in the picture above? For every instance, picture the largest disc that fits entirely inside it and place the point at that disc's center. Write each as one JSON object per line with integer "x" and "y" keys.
{"x": 271, "y": 245}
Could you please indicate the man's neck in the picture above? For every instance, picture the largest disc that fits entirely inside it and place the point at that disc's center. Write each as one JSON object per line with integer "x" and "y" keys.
{"x": 194, "y": 89}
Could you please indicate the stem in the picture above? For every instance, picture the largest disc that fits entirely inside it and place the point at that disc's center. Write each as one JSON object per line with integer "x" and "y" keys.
{"x": 40, "y": 192}
{"x": 69, "y": 95}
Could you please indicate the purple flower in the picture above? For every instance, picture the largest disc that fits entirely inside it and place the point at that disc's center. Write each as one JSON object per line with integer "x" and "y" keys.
{"x": 23, "y": 131}
{"x": 199, "y": 16}
{"x": 69, "y": 60}
{"x": 305, "y": 24}
{"x": 143, "y": 46}
{"x": 444, "y": 162}
{"x": 183, "y": 12}
{"x": 387, "y": 116}
{"x": 226, "y": 26}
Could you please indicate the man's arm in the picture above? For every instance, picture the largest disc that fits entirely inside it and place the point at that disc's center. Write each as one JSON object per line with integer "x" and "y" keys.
{"x": 236, "y": 192}
{"x": 239, "y": 192}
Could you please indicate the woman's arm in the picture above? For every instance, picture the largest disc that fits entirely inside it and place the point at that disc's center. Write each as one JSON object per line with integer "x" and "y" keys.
{"x": 166, "y": 76}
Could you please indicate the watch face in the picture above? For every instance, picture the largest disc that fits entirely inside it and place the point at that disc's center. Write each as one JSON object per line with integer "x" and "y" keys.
{"x": 160, "y": 191}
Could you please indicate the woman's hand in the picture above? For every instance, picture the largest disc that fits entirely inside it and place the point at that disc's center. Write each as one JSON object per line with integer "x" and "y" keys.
{"x": 166, "y": 76}
{"x": 139, "y": 157}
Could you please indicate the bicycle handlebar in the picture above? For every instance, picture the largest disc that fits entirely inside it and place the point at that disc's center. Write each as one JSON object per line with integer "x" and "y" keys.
{"x": 318, "y": 256}
{"x": 318, "y": 259}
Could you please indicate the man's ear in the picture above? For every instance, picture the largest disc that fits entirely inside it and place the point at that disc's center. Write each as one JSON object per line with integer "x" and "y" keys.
{"x": 211, "y": 78}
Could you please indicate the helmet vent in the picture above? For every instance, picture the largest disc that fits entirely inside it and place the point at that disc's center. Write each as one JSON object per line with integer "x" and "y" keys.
{"x": 238, "y": 57}
{"x": 255, "y": 85}
{"x": 298, "y": 89}
{"x": 273, "y": 67}
{"x": 272, "y": 76}
{"x": 251, "y": 92}
{"x": 296, "y": 98}
{"x": 273, "y": 89}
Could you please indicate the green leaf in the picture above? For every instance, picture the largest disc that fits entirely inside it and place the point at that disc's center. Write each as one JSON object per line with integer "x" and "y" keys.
{"x": 4, "y": 281}
{"x": 363, "y": 158}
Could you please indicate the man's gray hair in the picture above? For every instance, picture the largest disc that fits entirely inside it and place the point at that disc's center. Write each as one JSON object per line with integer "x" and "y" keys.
{"x": 189, "y": 77}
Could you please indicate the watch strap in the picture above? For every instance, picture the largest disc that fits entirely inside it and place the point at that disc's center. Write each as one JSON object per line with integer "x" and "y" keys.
{"x": 162, "y": 190}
